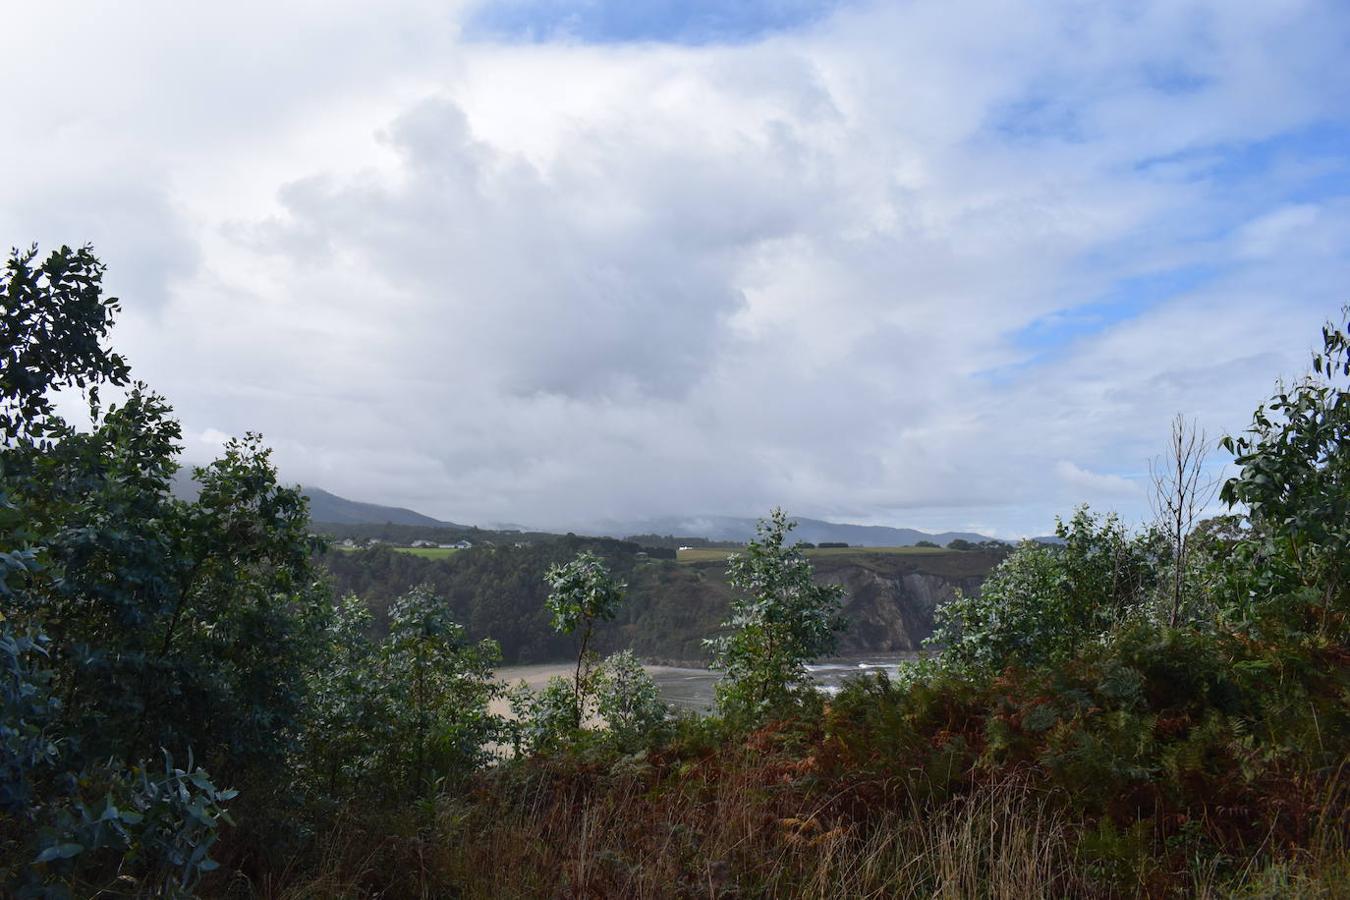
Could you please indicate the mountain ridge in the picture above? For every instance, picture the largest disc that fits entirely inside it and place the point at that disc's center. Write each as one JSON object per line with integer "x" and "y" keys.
{"x": 741, "y": 529}
{"x": 327, "y": 508}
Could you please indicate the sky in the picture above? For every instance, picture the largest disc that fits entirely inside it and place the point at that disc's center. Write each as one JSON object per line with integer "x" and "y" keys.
{"x": 945, "y": 265}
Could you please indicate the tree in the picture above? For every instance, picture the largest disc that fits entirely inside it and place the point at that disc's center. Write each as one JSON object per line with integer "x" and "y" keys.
{"x": 1180, "y": 494}
{"x": 1294, "y": 481}
{"x": 581, "y": 593}
{"x": 53, "y": 319}
{"x": 628, "y": 700}
{"x": 1045, "y": 601}
{"x": 780, "y": 620}
{"x": 435, "y": 689}
{"x": 108, "y": 649}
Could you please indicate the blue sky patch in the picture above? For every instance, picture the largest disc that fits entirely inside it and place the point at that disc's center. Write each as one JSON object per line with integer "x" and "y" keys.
{"x": 1127, "y": 299}
{"x": 1308, "y": 164}
{"x": 623, "y": 21}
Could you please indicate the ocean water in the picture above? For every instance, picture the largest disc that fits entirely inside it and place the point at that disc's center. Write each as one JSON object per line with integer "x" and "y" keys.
{"x": 692, "y": 689}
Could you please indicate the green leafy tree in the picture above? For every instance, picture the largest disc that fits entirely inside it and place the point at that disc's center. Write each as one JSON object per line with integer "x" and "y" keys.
{"x": 1045, "y": 601}
{"x": 629, "y": 701}
{"x": 124, "y": 628}
{"x": 343, "y": 724}
{"x": 401, "y": 716}
{"x": 544, "y": 720}
{"x": 1294, "y": 483}
{"x": 582, "y": 593}
{"x": 53, "y": 320}
{"x": 780, "y": 620}
{"x": 436, "y": 686}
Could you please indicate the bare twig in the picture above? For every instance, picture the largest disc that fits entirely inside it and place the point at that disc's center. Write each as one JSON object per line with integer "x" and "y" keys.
{"x": 1181, "y": 491}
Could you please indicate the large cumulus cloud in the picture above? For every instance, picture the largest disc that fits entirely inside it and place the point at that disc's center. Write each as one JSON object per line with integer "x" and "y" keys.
{"x": 939, "y": 265}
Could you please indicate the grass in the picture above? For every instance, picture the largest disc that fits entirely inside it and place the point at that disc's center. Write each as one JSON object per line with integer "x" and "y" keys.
{"x": 746, "y": 821}
{"x": 726, "y": 835}
{"x": 717, "y": 554}
{"x": 424, "y": 552}
{"x": 428, "y": 552}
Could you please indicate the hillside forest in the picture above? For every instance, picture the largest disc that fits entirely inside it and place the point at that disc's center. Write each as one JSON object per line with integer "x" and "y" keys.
{"x": 200, "y": 698}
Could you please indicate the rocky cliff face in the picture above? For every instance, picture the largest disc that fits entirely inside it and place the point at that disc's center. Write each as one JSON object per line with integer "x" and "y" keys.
{"x": 894, "y": 612}
{"x": 890, "y": 601}
{"x": 671, "y": 607}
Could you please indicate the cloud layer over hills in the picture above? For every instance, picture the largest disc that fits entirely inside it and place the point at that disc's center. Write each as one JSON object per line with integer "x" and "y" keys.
{"x": 948, "y": 265}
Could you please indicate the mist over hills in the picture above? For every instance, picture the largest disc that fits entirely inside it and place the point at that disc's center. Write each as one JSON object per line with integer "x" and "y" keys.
{"x": 732, "y": 528}
{"x": 327, "y": 508}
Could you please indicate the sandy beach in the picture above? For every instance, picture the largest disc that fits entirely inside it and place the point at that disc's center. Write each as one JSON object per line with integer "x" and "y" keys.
{"x": 683, "y": 688}
{"x": 692, "y": 689}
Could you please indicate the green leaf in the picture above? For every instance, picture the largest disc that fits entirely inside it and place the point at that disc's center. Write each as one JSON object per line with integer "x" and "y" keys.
{"x": 59, "y": 851}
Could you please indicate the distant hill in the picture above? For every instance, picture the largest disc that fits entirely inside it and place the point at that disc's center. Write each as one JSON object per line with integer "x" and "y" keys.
{"x": 730, "y": 528}
{"x": 329, "y": 508}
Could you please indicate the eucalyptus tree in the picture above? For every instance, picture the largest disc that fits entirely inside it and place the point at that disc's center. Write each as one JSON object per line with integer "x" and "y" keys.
{"x": 1293, "y": 482}
{"x": 582, "y": 592}
{"x": 1046, "y": 602}
{"x": 132, "y": 621}
{"x": 780, "y": 620}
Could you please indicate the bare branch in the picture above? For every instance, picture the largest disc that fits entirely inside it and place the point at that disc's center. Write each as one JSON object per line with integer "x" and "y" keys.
{"x": 1181, "y": 492}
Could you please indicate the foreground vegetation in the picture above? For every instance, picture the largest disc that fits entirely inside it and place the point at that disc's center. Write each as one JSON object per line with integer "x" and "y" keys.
{"x": 187, "y": 708}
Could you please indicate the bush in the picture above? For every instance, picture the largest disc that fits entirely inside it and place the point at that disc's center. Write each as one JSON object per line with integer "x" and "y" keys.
{"x": 544, "y": 721}
{"x": 1045, "y": 602}
{"x": 393, "y": 719}
{"x": 629, "y": 702}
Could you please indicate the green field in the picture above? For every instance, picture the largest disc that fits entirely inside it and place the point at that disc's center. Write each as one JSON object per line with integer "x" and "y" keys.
{"x": 424, "y": 552}
{"x": 428, "y": 552}
{"x": 713, "y": 554}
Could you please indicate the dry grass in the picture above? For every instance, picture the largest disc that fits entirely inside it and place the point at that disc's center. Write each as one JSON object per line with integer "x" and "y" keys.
{"x": 757, "y": 827}
{"x": 759, "y": 817}
{"x": 734, "y": 835}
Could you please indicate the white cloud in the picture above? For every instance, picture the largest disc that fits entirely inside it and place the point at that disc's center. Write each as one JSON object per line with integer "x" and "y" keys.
{"x": 561, "y": 284}
{"x": 1083, "y": 481}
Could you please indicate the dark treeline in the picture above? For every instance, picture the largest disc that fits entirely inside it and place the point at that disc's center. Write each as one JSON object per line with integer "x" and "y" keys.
{"x": 499, "y": 592}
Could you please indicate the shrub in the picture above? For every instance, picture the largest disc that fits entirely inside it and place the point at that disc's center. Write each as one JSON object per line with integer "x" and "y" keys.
{"x": 629, "y": 702}
{"x": 1044, "y": 602}
{"x": 545, "y": 721}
